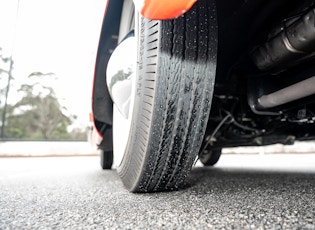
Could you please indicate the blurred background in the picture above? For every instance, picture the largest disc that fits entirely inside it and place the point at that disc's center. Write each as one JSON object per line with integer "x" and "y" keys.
{"x": 47, "y": 56}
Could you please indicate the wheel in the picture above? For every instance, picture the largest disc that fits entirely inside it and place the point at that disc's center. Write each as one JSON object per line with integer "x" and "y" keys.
{"x": 106, "y": 159}
{"x": 158, "y": 129}
{"x": 210, "y": 157}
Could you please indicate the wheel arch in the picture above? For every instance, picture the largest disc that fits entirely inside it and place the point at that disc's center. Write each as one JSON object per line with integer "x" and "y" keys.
{"x": 102, "y": 105}
{"x": 101, "y": 100}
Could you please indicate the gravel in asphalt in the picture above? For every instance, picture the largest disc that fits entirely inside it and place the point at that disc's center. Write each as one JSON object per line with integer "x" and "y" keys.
{"x": 73, "y": 193}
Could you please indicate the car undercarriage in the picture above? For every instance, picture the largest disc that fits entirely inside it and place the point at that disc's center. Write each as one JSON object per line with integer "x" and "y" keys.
{"x": 252, "y": 61}
{"x": 264, "y": 83}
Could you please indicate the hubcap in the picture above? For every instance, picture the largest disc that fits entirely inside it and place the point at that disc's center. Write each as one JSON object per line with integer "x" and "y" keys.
{"x": 120, "y": 82}
{"x": 120, "y": 72}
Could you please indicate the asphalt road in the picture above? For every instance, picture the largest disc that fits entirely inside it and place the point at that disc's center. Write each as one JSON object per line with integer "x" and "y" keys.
{"x": 242, "y": 192}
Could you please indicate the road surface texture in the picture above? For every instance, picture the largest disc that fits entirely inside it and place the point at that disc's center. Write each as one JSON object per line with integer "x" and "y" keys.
{"x": 242, "y": 192}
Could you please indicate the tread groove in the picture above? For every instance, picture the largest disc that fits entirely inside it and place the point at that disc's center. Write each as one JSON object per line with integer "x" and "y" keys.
{"x": 171, "y": 153}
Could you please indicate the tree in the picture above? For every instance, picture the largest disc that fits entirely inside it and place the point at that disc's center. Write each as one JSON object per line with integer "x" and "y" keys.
{"x": 5, "y": 70}
{"x": 38, "y": 115}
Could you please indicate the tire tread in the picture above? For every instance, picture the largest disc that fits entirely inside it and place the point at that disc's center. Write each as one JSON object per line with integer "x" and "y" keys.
{"x": 174, "y": 98}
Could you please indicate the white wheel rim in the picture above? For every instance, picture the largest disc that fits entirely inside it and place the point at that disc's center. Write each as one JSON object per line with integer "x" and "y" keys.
{"x": 123, "y": 94}
{"x": 121, "y": 86}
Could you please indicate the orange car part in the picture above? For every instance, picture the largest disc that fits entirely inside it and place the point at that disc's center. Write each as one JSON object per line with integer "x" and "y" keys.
{"x": 163, "y": 9}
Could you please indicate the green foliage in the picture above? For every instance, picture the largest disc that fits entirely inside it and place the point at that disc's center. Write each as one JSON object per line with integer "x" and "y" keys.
{"x": 38, "y": 115}
{"x": 40, "y": 118}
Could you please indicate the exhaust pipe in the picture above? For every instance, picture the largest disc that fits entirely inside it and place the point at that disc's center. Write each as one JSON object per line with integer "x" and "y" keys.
{"x": 291, "y": 93}
{"x": 295, "y": 41}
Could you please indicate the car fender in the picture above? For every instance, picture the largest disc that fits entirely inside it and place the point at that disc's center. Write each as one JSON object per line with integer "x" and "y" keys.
{"x": 163, "y": 9}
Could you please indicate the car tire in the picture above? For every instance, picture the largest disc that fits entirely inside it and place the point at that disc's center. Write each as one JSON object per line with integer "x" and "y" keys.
{"x": 106, "y": 159}
{"x": 210, "y": 157}
{"x": 176, "y": 65}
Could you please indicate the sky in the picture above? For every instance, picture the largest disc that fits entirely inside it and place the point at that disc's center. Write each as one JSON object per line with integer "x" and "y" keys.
{"x": 54, "y": 36}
